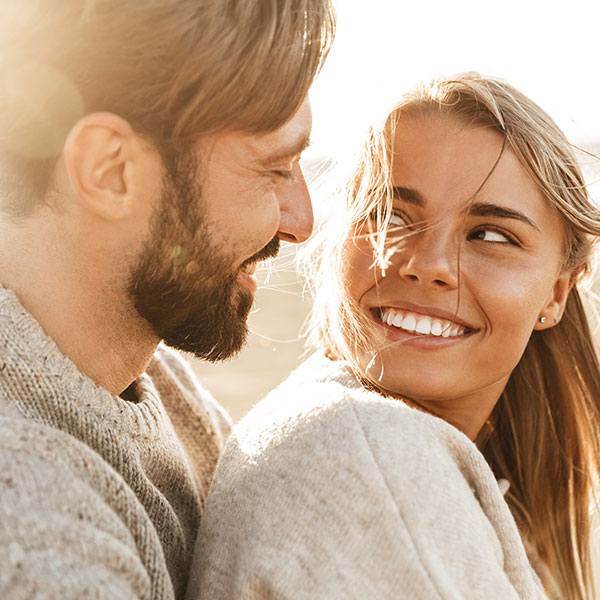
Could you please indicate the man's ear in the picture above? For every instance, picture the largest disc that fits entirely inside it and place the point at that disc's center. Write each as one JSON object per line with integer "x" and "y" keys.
{"x": 99, "y": 155}
{"x": 554, "y": 307}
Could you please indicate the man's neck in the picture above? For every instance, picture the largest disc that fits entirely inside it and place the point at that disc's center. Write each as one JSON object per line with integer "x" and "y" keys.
{"x": 81, "y": 308}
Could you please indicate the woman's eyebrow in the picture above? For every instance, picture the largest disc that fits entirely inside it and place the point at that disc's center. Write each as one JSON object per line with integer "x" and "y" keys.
{"x": 485, "y": 209}
{"x": 476, "y": 209}
{"x": 408, "y": 195}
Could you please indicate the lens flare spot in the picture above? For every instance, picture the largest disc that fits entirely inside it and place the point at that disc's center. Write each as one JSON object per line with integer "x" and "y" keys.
{"x": 179, "y": 255}
{"x": 38, "y": 107}
{"x": 192, "y": 267}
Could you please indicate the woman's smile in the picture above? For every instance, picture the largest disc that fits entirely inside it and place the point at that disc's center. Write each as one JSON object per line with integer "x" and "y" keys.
{"x": 419, "y": 324}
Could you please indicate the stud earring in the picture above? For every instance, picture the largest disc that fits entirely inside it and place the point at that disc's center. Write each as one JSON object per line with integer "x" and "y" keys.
{"x": 543, "y": 320}
{"x": 128, "y": 202}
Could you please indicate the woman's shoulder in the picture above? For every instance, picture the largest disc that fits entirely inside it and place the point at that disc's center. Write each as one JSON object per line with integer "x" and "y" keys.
{"x": 321, "y": 439}
{"x": 328, "y": 489}
{"x": 323, "y": 405}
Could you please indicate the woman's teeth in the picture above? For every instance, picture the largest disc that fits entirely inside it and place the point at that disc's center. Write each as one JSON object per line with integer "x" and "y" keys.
{"x": 420, "y": 323}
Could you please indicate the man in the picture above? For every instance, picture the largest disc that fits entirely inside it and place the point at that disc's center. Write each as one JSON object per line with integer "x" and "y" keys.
{"x": 148, "y": 160}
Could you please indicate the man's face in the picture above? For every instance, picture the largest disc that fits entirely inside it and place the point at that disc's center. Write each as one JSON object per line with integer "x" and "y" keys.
{"x": 222, "y": 209}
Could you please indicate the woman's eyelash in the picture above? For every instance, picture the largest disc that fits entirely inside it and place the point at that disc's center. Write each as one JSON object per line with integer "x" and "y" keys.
{"x": 482, "y": 230}
{"x": 397, "y": 219}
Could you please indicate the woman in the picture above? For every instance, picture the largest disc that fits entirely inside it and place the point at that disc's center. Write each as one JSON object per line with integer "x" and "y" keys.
{"x": 457, "y": 364}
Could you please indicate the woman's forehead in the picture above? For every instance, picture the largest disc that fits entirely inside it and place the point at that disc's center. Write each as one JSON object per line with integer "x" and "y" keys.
{"x": 440, "y": 160}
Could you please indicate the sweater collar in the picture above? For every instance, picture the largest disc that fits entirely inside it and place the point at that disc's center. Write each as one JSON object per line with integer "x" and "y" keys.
{"x": 37, "y": 367}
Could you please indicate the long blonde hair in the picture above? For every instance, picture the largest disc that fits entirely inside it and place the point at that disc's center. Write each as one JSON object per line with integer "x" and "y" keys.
{"x": 544, "y": 433}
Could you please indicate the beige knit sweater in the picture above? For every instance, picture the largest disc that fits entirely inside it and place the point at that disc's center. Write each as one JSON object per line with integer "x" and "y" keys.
{"x": 99, "y": 497}
{"x": 326, "y": 490}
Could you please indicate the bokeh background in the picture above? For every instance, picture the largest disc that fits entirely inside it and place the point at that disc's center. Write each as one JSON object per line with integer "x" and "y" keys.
{"x": 549, "y": 49}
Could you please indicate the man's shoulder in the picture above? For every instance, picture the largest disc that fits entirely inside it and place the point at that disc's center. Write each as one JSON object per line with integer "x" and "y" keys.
{"x": 199, "y": 421}
{"x": 41, "y": 457}
{"x": 169, "y": 367}
{"x": 42, "y": 460}
{"x": 59, "y": 522}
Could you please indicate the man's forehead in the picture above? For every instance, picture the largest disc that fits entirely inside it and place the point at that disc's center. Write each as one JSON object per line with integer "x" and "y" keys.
{"x": 262, "y": 149}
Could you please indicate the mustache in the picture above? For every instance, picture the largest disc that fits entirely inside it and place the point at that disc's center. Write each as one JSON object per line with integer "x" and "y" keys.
{"x": 269, "y": 251}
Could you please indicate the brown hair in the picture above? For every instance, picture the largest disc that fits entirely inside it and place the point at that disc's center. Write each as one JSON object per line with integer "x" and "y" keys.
{"x": 544, "y": 433}
{"x": 175, "y": 69}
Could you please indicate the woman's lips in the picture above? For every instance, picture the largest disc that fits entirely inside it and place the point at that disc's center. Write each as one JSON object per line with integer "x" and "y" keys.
{"x": 421, "y": 324}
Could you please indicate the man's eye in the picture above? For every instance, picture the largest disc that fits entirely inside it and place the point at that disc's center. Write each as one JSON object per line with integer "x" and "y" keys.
{"x": 280, "y": 174}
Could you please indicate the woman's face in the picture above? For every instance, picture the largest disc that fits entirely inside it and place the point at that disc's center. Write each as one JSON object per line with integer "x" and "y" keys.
{"x": 458, "y": 302}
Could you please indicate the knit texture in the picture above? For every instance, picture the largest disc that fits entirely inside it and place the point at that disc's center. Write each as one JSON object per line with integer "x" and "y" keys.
{"x": 99, "y": 497}
{"x": 327, "y": 490}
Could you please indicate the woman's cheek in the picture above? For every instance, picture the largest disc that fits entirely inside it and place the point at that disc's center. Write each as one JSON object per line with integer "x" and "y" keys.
{"x": 511, "y": 300}
{"x": 358, "y": 274}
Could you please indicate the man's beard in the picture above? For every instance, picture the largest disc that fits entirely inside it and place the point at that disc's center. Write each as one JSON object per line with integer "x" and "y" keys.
{"x": 183, "y": 284}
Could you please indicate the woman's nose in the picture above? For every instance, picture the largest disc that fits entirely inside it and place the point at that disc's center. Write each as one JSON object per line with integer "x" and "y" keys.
{"x": 430, "y": 258}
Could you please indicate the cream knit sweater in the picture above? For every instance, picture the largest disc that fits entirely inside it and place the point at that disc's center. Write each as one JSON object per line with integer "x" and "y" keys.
{"x": 326, "y": 490}
{"x": 99, "y": 497}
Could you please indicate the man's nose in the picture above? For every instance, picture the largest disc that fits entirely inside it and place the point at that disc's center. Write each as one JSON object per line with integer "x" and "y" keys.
{"x": 430, "y": 258}
{"x": 296, "y": 223}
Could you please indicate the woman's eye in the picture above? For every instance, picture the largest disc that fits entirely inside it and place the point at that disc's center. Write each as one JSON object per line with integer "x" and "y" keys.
{"x": 397, "y": 220}
{"x": 492, "y": 236}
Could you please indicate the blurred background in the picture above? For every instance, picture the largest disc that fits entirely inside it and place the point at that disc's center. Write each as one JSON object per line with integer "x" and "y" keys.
{"x": 548, "y": 49}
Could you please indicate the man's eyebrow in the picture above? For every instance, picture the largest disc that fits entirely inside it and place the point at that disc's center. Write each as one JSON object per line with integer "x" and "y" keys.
{"x": 287, "y": 152}
{"x": 476, "y": 209}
